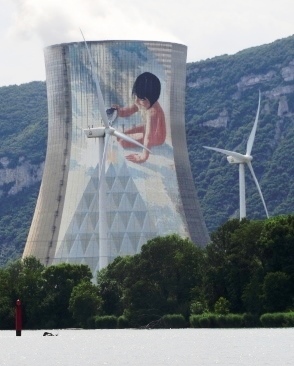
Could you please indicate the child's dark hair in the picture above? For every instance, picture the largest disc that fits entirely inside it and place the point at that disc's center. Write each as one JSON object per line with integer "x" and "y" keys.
{"x": 147, "y": 86}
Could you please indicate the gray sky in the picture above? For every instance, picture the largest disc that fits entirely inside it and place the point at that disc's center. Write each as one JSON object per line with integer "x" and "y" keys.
{"x": 208, "y": 27}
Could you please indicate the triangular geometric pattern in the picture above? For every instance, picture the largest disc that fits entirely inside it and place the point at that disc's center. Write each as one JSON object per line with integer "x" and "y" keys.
{"x": 125, "y": 204}
{"x": 117, "y": 225}
{"x": 124, "y": 219}
{"x": 76, "y": 249}
{"x": 126, "y": 215}
{"x": 81, "y": 239}
{"x": 92, "y": 249}
{"x": 84, "y": 240}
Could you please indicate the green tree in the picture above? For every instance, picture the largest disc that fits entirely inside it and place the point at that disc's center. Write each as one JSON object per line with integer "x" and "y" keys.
{"x": 23, "y": 279}
{"x": 252, "y": 292}
{"x": 217, "y": 261}
{"x": 222, "y": 306}
{"x": 276, "y": 292}
{"x": 277, "y": 242}
{"x": 159, "y": 280}
{"x": 84, "y": 302}
{"x": 30, "y": 289}
{"x": 6, "y": 303}
{"x": 58, "y": 283}
{"x": 111, "y": 282}
{"x": 198, "y": 307}
{"x": 232, "y": 258}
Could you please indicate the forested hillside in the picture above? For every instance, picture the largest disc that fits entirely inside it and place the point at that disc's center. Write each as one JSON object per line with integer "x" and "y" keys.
{"x": 221, "y": 103}
{"x": 23, "y": 135}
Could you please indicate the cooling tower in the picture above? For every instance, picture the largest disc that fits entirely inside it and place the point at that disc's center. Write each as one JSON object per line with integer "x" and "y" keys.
{"x": 144, "y": 195}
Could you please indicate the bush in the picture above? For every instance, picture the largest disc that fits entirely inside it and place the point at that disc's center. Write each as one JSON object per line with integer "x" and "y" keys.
{"x": 173, "y": 321}
{"x": 277, "y": 320}
{"x": 202, "y": 321}
{"x": 194, "y": 321}
{"x": 106, "y": 322}
{"x": 250, "y": 320}
{"x": 230, "y": 321}
{"x": 91, "y": 322}
{"x": 122, "y": 322}
{"x": 211, "y": 320}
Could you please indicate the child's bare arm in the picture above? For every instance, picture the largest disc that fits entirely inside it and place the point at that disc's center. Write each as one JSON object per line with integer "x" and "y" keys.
{"x": 125, "y": 111}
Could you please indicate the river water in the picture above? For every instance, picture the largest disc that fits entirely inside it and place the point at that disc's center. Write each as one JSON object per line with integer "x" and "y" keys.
{"x": 185, "y": 347}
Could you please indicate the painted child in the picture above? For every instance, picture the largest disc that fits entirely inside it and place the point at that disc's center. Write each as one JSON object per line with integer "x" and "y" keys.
{"x": 152, "y": 132}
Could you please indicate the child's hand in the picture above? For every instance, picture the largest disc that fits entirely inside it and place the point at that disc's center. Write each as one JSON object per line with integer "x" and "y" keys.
{"x": 137, "y": 158}
{"x": 117, "y": 107}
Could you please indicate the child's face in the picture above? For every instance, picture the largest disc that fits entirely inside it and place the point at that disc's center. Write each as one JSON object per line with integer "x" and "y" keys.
{"x": 142, "y": 103}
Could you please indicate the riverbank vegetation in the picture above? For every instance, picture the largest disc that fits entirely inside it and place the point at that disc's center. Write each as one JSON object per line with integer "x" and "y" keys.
{"x": 243, "y": 278}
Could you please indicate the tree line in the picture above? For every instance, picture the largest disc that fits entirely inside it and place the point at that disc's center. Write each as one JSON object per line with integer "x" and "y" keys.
{"x": 247, "y": 268}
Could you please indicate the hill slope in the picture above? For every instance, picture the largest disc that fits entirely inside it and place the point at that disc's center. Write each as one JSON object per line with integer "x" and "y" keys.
{"x": 221, "y": 104}
{"x": 23, "y": 126}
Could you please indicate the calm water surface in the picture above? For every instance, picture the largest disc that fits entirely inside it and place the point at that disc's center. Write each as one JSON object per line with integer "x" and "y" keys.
{"x": 203, "y": 347}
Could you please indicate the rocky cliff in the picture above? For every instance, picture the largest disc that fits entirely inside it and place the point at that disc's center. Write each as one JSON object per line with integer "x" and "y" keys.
{"x": 24, "y": 175}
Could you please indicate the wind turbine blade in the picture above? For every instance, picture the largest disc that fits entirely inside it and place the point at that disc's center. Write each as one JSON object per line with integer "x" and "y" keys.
{"x": 258, "y": 187}
{"x": 129, "y": 139}
{"x": 223, "y": 151}
{"x": 253, "y": 131}
{"x": 101, "y": 104}
{"x": 227, "y": 152}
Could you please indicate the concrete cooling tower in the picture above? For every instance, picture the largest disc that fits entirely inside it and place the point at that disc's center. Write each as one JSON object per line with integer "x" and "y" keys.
{"x": 83, "y": 216}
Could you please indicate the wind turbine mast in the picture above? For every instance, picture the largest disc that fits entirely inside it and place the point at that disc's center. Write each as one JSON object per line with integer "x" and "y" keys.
{"x": 242, "y": 194}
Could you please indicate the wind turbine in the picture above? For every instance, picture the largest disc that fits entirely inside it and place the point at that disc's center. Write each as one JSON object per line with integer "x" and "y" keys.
{"x": 104, "y": 134}
{"x": 237, "y": 158}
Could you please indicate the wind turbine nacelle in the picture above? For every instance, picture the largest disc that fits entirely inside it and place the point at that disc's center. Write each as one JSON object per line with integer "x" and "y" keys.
{"x": 239, "y": 159}
{"x": 94, "y": 132}
{"x": 233, "y": 160}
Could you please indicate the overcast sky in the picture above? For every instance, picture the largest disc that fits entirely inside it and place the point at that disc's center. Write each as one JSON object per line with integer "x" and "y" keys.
{"x": 208, "y": 27}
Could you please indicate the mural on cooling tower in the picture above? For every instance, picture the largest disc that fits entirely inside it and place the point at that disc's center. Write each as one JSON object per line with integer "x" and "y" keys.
{"x": 142, "y": 197}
